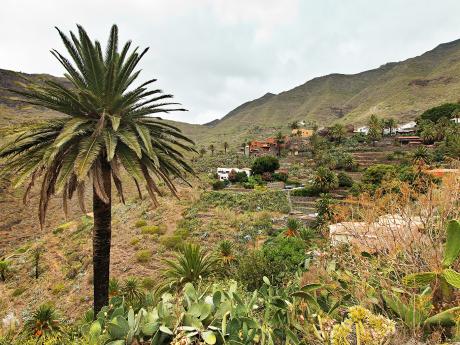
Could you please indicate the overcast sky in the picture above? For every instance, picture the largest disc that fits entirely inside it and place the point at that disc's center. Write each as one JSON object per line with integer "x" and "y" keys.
{"x": 214, "y": 55}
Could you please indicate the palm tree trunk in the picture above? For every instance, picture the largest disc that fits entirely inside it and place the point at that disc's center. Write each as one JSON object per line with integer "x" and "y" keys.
{"x": 102, "y": 234}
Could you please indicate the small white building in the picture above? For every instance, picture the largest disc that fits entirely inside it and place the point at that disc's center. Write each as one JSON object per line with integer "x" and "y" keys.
{"x": 222, "y": 173}
{"x": 363, "y": 129}
{"x": 407, "y": 127}
{"x": 456, "y": 120}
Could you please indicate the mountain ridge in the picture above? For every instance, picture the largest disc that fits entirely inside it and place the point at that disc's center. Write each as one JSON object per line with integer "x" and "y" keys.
{"x": 402, "y": 90}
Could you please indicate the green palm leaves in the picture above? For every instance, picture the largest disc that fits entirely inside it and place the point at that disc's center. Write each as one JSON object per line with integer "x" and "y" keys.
{"x": 446, "y": 275}
{"x": 108, "y": 125}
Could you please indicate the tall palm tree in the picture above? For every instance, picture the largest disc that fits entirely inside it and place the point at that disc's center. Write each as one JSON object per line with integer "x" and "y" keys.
{"x": 107, "y": 126}
{"x": 212, "y": 148}
{"x": 225, "y": 147}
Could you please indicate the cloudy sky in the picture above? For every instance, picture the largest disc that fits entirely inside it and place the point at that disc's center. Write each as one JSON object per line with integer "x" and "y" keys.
{"x": 214, "y": 55}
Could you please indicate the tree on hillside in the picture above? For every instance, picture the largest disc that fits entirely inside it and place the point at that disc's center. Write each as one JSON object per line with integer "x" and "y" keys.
{"x": 202, "y": 151}
{"x": 375, "y": 129}
{"x": 212, "y": 148}
{"x": 391, "y": 124}
{"x": 279, "y": 141}
{"x": 107, "y": 127}
{"x": 447, "y": 110}
{"x": 265, "y": 164}
{"x": 225, "y": 147}
{"x": 337, "y": 133}
{"x": 325, "y": 179}
{"x": 294, "y": 125}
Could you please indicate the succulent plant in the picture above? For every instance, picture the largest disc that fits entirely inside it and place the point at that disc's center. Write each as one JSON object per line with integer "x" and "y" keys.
{"x": 445, "y": 275}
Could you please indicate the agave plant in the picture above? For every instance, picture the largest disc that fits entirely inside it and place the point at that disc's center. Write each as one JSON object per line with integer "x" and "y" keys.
{"x": 226, "y": 251}
{"x": 444, "y": 274}
{"x": 43, "y": 321}
{"x": 190, "y": 265}
{"x": 293, "y": 227}
{"x": 415, "y": 311}
{"x": 132, "y": 291}
{"x": 107, "y": 125}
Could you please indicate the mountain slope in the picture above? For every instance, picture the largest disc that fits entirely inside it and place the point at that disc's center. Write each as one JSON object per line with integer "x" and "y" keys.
{"x": 402, "y": 90}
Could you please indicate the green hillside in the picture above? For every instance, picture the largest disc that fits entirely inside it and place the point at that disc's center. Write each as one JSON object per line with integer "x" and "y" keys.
{"x": 402, "y": 90}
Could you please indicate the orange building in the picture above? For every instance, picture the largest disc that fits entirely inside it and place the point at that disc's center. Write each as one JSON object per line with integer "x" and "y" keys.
{"x": 302, "y": 132}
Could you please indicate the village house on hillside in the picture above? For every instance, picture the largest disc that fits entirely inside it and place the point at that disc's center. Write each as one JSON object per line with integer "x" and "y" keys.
{"x": 223, "y": 173}
{"x": 302, "y": 132}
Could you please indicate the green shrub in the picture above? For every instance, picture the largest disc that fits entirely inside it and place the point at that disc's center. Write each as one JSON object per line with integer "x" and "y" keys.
{"x": 283, "y": 255}
{"x": 61, "y": 228}
{"x": 144, "y": 255}
{"x": 18, "y": 291}
{"x": 252, "y": 267}
{"x": 376, "y": 173}
{"x": 281, "y": 176}
{"x": 344, "y": 180}
{"x": 152, "y": 229}
{"x": 307, "y": 191}
{"x": 134, "y": 241}
{"x": 269, "y": 200}
{"x": 172, "y": 241}
{"x": 218, "y": 185}
{"x": 148, "y": 283}
{"x": 58, "y": 288}
{"x": 5, "y": 267}
{"x": 140, "y": 223}
{"x": 265, "y": 164}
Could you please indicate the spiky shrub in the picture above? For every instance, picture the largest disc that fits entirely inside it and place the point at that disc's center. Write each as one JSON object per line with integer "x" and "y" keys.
{"x": 226, "y": 251}
{"x": 43, "y": 321}
{"x": 293, "y": 227}
{"x": 132, "y": 291}
{"x": 114, "y": 287}
{"x": 107, "y": 125}
{"x": 191, "y": 264}
{"x": 5, "y": 267}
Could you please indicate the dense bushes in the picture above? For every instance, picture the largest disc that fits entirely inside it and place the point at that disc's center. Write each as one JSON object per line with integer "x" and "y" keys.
{"x": 436, "y": 113}
{"x": 265, "y": 164}
{"x": 270, "y": 200}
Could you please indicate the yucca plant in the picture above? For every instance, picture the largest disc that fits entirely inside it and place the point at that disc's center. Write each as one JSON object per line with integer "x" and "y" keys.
{"x": 132, "y": 291}
{"x": 443, "y": 274}
{"x": 293, "y": 227}
{"x": 226, "y": 251}
{"x": 107, "y": 125}
{"x": 190, "y": 265}
{"x": 43, "y": 321}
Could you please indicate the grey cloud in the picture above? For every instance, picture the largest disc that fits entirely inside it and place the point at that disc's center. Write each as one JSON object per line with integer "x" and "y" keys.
{"x": 216, "y": 54}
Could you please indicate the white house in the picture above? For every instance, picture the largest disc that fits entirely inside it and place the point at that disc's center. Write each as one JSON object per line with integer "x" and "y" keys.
{"x": 363, "y": 129}
{"x": 456, "y": 120}
{"x": 407, "y": 127}
{"x": 223, "y": 172}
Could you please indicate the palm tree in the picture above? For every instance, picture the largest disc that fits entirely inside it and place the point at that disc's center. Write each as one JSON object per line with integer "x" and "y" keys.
{"x": 391, "y": 124}
{"x": 107, "y": 126}
{"x": 225, "y": 147}
{"x": 212, "y": 148}
{"x": 202, "y": 151}
{"x": 279, "y": 140}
